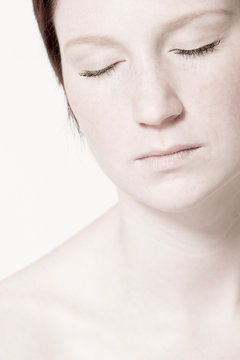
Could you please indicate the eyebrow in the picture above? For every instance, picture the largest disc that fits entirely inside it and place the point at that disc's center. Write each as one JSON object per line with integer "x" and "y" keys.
{"x": 170, "y": 26}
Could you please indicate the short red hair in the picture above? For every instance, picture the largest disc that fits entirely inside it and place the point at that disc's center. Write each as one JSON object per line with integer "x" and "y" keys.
{"x": 44, "y": 14}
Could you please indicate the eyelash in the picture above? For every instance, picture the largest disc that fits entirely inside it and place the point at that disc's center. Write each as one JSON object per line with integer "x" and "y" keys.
{"x": 99, "y": 73}
{"x": 198, "y": 52}
{"x": 185, "y": 53}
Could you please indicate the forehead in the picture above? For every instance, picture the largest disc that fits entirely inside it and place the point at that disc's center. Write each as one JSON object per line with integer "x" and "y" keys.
{"x": 123, "y": 18}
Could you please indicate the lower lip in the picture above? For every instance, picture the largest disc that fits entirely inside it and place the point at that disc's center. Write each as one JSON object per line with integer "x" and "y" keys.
{"x": 168, "y": 162}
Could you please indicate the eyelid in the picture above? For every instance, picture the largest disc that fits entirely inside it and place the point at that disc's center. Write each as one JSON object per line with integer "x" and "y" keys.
{"x": 203, "y": 50}
{"x": 89, "y": 73}
{"x": 195, "y": 50}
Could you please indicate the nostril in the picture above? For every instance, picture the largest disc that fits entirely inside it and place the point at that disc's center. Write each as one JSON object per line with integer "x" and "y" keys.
{"x": 157, "y": 109}
{"x": 158, "y": 119}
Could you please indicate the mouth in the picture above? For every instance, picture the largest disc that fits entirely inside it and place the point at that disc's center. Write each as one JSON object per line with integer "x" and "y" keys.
{"x": 170, "y": 151}
{"x": 170, "y": 159}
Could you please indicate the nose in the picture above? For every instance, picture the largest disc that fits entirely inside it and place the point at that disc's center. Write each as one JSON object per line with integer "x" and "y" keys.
{"x": 155, "y": 101}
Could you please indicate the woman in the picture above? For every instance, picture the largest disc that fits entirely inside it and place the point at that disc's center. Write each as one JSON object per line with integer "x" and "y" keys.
{"x": 154, "y": 88}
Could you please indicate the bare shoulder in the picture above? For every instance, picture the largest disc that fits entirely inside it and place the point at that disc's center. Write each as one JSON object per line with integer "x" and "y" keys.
{"x": 38, "y": 303}
{"x": 68, "y": 265}
{"x": 20, "y": 327}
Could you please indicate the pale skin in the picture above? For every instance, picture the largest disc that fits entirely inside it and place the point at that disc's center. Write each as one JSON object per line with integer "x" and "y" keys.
{"x": 157, "y": 276}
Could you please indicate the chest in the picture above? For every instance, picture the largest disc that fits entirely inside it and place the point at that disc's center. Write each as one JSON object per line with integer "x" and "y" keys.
{"x": 93, "y": 340}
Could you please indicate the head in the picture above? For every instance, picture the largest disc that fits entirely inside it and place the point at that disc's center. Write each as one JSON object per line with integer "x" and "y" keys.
{"x": 133, "y": 85}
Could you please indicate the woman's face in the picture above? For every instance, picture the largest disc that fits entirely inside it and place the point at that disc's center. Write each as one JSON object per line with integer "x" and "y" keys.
{"x": 155, "y": 97}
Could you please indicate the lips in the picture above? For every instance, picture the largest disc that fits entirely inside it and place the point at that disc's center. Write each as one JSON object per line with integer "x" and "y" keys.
{"x": 172, "y": 150}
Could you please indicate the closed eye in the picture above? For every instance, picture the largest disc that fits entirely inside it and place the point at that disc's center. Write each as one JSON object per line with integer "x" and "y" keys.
{"x": 98, "y": 73}
{"x": 198, "y": 52}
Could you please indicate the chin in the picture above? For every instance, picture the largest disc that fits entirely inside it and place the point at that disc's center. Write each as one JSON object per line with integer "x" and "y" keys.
{"x": 176, "y": 199}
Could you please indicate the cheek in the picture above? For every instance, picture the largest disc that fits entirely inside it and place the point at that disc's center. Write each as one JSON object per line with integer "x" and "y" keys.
{"x": 215, "y": 102}
{"x": 98, "y": 105}
{"x": 223, "y": 92}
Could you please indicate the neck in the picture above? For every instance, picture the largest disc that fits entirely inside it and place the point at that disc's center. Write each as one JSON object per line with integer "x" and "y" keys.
{"x": 188, "y": 260}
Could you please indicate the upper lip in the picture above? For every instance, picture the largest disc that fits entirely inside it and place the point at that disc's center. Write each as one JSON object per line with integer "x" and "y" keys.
{"x": 171, "y": 150}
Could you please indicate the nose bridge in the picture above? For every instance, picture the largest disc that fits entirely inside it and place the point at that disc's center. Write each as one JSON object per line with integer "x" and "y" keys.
{"x": 154, "y": 96}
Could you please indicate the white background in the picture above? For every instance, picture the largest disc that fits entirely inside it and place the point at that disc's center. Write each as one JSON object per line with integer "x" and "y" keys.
{"x": 50, "y": 185}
